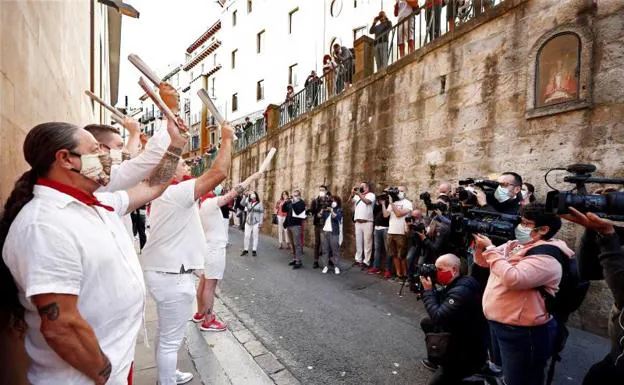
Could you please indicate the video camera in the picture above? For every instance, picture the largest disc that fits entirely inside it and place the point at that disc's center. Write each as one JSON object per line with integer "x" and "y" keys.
{"x": 392, "y": 192}
{"x": 609, "y": 205}
{"x": 497, "y": 226}
{"x": 426, "y": 197}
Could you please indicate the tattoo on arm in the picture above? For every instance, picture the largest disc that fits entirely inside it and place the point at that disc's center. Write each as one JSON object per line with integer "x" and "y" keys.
{"x": 105, "y": 373}
{"x": 51, "y": 311}
{"x": 166, "y": 168}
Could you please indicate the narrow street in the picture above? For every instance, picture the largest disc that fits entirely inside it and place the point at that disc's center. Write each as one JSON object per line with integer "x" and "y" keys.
{"x": 347, "y": 329}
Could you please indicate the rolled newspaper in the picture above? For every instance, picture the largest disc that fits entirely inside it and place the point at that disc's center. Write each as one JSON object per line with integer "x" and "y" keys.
{"x": 104, "y": 104}
{"x": 205, "y": 98}
{"x": 145, "y": 69}
{"x": 158, "y": 101}
{"x": 267, "y": 160}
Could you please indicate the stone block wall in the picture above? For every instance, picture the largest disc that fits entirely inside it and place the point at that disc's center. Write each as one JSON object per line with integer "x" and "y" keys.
{"x": 400, "y": 127}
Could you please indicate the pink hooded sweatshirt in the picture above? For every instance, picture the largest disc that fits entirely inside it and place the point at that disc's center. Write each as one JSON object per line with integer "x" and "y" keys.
{"x": 511, "y": 296}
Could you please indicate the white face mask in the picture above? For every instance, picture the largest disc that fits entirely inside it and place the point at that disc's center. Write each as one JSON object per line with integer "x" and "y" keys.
{"x": 502, "y": 194}
{"x": 96, "y": 167}
{"x": 334, "y": 205}
{"x": 116, "y": 156}
{"x": 295, "y": 198}
{"x": 322, "y": 194}
{"x": 401, "y": 195}
{"x": 523, "y": 234}
{"x": 525, "y": 194}
{"x": 252, "y": 197}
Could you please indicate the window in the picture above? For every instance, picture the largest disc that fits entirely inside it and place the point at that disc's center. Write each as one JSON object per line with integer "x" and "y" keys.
{"x": 215, "y": 60}
{"x": 260, "y": 41}
{"x": 354, "y": 3}
{"x": 359, "y": 31}
{"x": 260, "y": 90}
{"x": 292, "y": 75}
{"x": 291, "y": 19}
{"x": 195, "y": 142}
{"x": 202, "y": 69}
{"x": 234, "y": 18}
{"x": 234, "y": 58}
{"x": 234, "y": 102}
{"x": 192, "y": 78}
{"x": 335, "y": 8}
{"x": 212, "y": 88}
{"x": 213, "y": 140}
{"x": 249, "y": 6}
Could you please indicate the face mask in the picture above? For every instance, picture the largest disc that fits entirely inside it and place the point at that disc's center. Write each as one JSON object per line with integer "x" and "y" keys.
{"x": 118, "y": 156}
{"x": 322, "y": 194}
{"x": 295, "y": 198}
{"x": 218, "y": 190}
{"x": 444, "y": 277}
{"x": 334, "y": 205}
{"x": 525, "y": 194}
{"x": 253, "y": 197}
{"x": 501, "y": 194}
{"x": 96, "y": 167}
{"x": 401, "y": 195}
{"x": 523, "y": 234}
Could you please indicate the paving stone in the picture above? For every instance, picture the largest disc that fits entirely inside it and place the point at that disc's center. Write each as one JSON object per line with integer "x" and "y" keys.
{"x": 243, "y": 335}
{"x": 283, "y": 377}
{"x": 269, "y": 363}
{"x": 255, "y": 348}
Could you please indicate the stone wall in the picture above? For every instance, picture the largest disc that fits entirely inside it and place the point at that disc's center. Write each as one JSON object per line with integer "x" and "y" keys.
{"x": 399, "y": 127}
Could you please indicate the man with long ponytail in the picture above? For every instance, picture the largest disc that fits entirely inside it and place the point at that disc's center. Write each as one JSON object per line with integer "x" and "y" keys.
{"x": 75, "y": 269}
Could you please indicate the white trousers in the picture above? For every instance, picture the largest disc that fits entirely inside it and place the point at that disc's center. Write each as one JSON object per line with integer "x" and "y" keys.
{"x": 249, "y": 229}
{"x": 226, "y": 223}
{"x": 363, "y": 241}
{"x": 174, "y": 295}
{"x": 282, "y": 233}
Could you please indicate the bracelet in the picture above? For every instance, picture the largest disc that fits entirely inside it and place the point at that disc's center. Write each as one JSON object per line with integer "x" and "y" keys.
{"x": 174, "y": 155}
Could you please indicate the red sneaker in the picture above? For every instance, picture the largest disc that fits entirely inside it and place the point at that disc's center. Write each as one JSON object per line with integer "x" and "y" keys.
{"x": 198, "y": 317}
{"x": 212, "y": 325}
{"x": 374, "y": 270}
{"x": 387, "y": 275}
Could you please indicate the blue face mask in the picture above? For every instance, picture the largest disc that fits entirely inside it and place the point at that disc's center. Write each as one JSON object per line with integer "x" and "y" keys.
{"x": 502, "y": 194}
{"x": 218, "y": 190}
{"x": 523, "y": 234}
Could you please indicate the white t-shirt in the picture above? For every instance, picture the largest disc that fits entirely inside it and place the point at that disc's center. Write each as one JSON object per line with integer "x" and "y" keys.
{"x": 362, "y": 210}
{"x": 397, "y": 225}
{"x": 176, "y": 233}
{"x": 404, "y": 10}
{"x": 212, "y": 222}
{"x": 59, "y": 245}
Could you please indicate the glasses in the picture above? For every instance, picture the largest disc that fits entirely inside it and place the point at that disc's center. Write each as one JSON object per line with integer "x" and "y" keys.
{"x": 527, "y": 223}
{"x": 507, "y": 184}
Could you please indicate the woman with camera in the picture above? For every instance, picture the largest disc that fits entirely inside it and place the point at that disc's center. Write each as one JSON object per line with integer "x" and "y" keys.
{"x": 331, "y": 235}
{"x": 520, "y": 270}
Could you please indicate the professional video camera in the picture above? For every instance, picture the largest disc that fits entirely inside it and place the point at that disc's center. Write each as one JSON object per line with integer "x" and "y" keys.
{"x": 497, "y": 226}
{"x": 426, "y": 197}
{"x": 485, "y": 184}
{"x": 392, "y": 192}
{"x": 609, "y": 205}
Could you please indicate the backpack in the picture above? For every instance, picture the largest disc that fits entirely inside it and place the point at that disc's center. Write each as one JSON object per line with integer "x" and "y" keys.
{"x": 572, "y": 292}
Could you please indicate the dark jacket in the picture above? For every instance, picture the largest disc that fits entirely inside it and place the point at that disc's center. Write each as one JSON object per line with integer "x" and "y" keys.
{"x": 457, "y": 310}
{"x": 318, "y": 204}
{"x": 298, "y": 208}
{"x": 612, "y": 261}
{"x": 438, "y": 243}
{"x": 510, "y": 206}
{"x": 334, "y": 221}
{"x": 380, "y": 220}
{"x": 379, "y": 30}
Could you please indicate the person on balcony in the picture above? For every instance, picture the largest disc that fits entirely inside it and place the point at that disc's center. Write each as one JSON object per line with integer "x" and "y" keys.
{"x": 403, "y": 9}
{"x": 380, "y": 28}
{"x": 329, "y": 74}
{"x": 433, "y": 9}
{"x": 312, "y": 84}
{"x": 344, "y": 61}
{"x": 290, "y": 101}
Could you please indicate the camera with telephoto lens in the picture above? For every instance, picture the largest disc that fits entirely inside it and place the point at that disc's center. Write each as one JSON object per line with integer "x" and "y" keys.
{"x": 392, "y": 192}
{"x": 427, "y": 270}
{"x": 426, "y": 197}
{"x": 358, "y": 189}
{"x": 497, "y": 226}
{"x": 609, "y": 205}
{"x": 484, "y": 184}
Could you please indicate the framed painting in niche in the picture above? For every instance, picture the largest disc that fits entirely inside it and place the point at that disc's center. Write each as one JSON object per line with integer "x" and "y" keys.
{"x": 557, "y": 70}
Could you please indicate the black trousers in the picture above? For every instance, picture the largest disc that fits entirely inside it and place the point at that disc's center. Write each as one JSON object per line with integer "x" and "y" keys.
{"x": 138, "y": 227}
{"x": 604, "y": 373}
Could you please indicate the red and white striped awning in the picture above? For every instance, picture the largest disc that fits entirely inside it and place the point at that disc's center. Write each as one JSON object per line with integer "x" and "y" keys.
{"x": 204, "y": 37}
{"x": 202, "y": 55}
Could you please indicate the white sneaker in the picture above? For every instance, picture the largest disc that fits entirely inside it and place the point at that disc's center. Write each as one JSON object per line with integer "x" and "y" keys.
{"x": 183, "y": 377}
{"x": 325, "y": 269}
{"x": 336, "y": 270}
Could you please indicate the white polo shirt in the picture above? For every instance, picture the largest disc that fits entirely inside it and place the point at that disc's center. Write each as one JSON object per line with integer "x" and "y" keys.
{"x": 176, "y": 234}
{"x": 362, "y": 210}
{"x": 58, "y": 244}
{"x": 397, "y": 224}
{"x": 212, "y": 222}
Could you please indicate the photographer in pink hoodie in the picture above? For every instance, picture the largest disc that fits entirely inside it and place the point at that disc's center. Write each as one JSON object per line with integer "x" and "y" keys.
{"x": 513, "y": 303}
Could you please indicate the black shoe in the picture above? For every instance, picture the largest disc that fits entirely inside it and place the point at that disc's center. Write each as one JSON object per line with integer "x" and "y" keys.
{"x": 254, "y": 254}
{"x": 244, "y": 253}
{"x": 297, "y": 265}
{"x": 364, "y": 267}
{"x": 356, "y": 263}
{"x": 429, "y": 365}
{"x": 316, "y": 265}
{"x": 291, "y": 263}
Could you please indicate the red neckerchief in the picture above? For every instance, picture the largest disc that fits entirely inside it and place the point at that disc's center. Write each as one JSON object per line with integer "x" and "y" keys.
{"x": 87, "y": 199}
{"x": 184, "y": 179}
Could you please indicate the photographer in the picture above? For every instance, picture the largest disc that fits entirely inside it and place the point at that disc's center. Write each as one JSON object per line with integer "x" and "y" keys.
{"x": 363, "y": 200}
{"x": 520, "y": 271}
{"x": 397, "y": 240}
{"x": 435, "y": 241}
{"x": 415, "y": 250}
{"x": 321, "y": 202}
{"x": 609, "y": 371}
{"x": 381, "y": 224}
{"x": 456, "y": 310}
{"x": 507, "y": 197}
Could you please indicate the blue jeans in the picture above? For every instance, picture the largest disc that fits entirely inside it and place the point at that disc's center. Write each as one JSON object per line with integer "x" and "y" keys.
{"x": 381, "y": 241}
{"x": 524, "y": 350}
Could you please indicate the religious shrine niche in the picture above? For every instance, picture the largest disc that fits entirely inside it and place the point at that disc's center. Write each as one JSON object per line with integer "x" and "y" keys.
{"x": 559, "y": 76}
